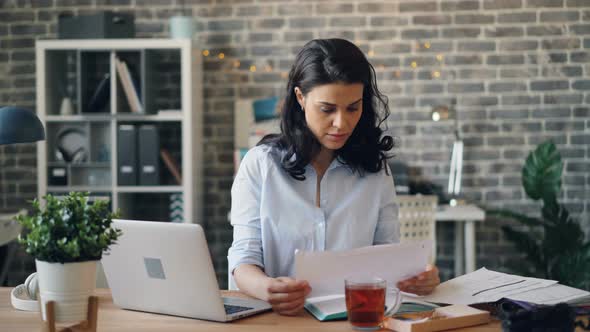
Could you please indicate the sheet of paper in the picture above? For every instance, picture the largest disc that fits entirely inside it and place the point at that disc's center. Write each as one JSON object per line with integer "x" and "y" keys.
{"x": 553, "y": 294}
{"x": 326, "y": 271}
{"x": 483, "y": 286}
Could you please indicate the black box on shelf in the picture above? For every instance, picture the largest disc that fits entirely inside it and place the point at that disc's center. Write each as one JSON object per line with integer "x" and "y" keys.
{"x": 58, "y": 176}
{"x": 127, "y": 155}
{"x": 104, "y": 24}
{"x": 149, "y": 155}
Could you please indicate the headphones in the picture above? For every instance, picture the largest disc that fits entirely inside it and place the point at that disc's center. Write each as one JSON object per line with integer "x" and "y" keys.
{"x": 24, "y": 297}
{"x": 71, "y": 145}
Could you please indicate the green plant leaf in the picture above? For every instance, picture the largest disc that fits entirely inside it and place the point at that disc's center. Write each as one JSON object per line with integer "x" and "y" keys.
{"x": 522, "y": 218}
{"x": 525, "y": 243}
{"x": 68, "y": 230}
{"x": 573, "y": 270}
{"x": 541, "y": 174}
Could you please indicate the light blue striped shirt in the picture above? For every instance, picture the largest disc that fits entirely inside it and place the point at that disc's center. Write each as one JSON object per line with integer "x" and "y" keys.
{"x": 273, "y": 214}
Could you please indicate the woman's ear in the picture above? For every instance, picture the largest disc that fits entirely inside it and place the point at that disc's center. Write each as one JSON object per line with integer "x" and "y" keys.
{"x": 300, "y": 97}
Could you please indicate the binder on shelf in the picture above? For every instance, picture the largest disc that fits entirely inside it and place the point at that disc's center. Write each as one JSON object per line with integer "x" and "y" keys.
{"x": 171, "y": 165}
{"x": 149, "y": 142}
{"x": 127, "y": 155}
{"x": 128, "y": 86}
{"x": 58, "y": 176}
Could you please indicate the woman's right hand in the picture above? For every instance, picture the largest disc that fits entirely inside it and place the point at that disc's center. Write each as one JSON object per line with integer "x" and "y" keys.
{"x": 287, "y": 295}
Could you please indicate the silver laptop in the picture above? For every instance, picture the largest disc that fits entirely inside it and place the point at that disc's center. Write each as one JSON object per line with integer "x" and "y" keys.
{"x": 166, "y": 268}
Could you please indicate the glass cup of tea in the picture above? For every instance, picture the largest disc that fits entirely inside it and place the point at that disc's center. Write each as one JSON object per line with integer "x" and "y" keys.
{"x": 366, "y": 302}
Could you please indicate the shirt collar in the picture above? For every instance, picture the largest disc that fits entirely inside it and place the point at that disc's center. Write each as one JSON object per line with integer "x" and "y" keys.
{"x": 336, "y": 163}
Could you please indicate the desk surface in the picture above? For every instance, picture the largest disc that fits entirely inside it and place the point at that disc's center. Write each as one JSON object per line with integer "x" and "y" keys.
{"x": 111, "y": 318}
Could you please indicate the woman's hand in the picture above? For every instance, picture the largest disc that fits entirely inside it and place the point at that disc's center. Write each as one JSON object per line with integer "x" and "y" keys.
{"x": 287, "y": 295}
{"x": 422, "y": 284}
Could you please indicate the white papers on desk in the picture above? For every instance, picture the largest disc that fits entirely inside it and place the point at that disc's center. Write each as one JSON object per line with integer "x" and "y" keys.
{"x": 554, "y": 294}
{"x": 325, "y": 271}
{"x": 483, "y": 286}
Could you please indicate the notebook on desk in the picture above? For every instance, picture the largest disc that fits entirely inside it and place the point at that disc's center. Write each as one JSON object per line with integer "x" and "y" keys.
{"x": 333, "y": 307}
{"x": 166, "y": 268}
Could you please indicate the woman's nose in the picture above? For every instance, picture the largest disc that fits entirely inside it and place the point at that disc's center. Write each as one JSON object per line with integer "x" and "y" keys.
{"x": 339, "y": 120}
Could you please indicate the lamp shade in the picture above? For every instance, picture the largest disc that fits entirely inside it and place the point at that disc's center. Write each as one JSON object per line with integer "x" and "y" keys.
{"x": 18, "y": 125}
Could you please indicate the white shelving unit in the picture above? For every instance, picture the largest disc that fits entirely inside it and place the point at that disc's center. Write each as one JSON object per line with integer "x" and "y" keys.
{"x": 71, "y": 68}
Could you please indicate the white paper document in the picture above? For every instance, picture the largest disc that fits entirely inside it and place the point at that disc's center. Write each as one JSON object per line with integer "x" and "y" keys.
{"x": 325, "y": 271}
{"x": 483, "y": 286}
{"x": 554, "y": 294}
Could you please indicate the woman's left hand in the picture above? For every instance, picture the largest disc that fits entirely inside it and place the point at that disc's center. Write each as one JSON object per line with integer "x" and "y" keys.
{"x": 422, "y": 284}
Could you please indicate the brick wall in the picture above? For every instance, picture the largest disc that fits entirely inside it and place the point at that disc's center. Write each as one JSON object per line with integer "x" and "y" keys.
{"x": 518, "y": 68}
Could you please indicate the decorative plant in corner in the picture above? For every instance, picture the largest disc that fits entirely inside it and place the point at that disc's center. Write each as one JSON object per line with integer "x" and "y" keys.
{"x": 67, "y": 237}
{"x": 553, "y": 243}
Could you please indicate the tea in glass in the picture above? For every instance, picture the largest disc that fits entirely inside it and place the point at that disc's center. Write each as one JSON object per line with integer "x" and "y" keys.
{"x": 365, "y": 302}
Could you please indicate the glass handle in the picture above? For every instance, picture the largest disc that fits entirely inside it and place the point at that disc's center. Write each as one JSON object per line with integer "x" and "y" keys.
{"x": 393, "y": 308}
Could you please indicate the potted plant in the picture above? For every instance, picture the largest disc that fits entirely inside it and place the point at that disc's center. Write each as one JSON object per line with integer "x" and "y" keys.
{"x": 554, "y": 242}
{"x": 67, "y": 237}
{"x": 182, "y": 24}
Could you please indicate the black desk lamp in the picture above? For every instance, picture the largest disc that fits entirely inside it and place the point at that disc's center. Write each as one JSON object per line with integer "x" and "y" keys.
{"x": 18, "y": 125}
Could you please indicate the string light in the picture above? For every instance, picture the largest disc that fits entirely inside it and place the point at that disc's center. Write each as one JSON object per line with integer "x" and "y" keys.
{"x": 436, "y": 74}
{"x": 252, "y": 68}
{"x": 371, "y": 54}
{"x": 427, "y": 45}
{"x": 221, "y": 56}
{"x": 206, "y": 52}
{"x": 414, "y": 64}
{"x": 236, "y": 63}
{"x": 439, "y": 57}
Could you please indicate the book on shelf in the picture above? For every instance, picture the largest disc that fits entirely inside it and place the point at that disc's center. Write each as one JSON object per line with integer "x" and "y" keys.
{"x": 171, "y": 165}
{"x": 174, "y": 112}
{"x": 129, "y": 87}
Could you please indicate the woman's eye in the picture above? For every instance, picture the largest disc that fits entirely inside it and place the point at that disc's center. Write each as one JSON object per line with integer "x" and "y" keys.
{"x": 353, "y": 109}
{"x": 327, "y": 110}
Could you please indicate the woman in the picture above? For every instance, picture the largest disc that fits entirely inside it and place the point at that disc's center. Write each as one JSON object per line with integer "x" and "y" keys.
{"x": 322, "y": 184}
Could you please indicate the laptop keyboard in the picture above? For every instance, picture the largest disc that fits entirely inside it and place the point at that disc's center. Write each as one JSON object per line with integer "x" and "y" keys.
{"x": 232, "y": 309}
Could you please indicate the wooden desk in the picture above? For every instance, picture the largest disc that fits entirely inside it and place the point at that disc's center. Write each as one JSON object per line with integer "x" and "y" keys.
{"x": 111, "y": 318}
{"x": 464, "y": 217}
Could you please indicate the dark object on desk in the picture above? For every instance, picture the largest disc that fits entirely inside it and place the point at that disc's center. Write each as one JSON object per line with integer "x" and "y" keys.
{"x": 521, "y": 318}
{"x": 104, "y": 24}
{"x": 423, "y": 187}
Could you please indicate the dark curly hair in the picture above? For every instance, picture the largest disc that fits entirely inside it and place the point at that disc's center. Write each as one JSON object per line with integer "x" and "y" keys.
{"x": 326, "y": 61}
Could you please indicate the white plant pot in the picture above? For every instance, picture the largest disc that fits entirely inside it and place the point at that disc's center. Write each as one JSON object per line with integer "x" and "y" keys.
{"x": 69, "y": 285}
{"x": 182, "y": 27}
